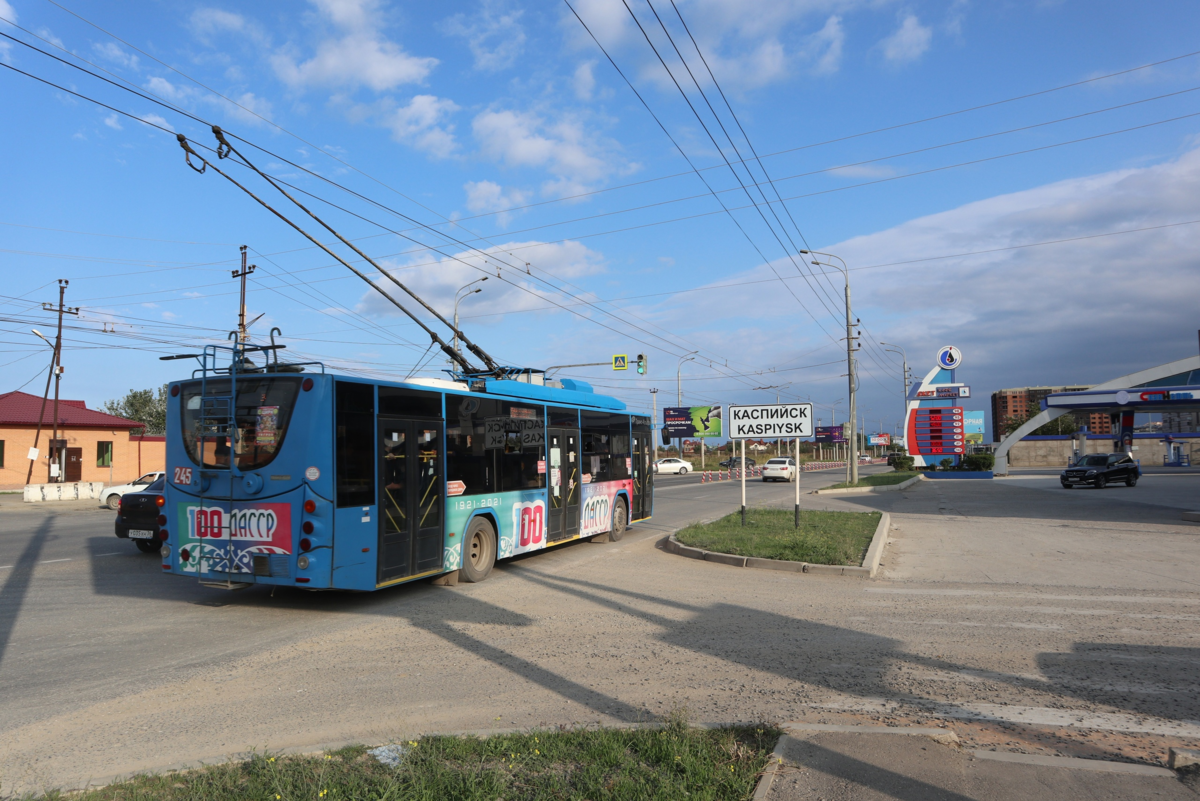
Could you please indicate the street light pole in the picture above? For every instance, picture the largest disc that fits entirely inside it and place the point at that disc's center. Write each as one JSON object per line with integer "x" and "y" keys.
{"x": 457, "y": 300}
{"x": 903, "y": 377}
{"x": 851, "y": 378}
{"x": 687, "y": 357}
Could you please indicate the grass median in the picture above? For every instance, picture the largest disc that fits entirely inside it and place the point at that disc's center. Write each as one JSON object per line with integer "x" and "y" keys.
{"x": 880, "y": 480}
{"x": 646, "y": 763}
{"x": 824, "y": 538}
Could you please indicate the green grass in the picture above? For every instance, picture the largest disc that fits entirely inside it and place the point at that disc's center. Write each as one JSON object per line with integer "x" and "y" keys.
{"x": 674, "y": 762}
{"x": 824, "y": 538}
{"x": 881, "y": 480}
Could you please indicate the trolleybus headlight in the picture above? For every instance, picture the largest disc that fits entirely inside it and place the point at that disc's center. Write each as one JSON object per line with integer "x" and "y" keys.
{"x": 160, "y": 501}
{"x": 302, "y": 563}
{"x": 310, "y": 506}
{"x": 307, "y": 527}
{"x": 165, "y": 551}
{"x": 305, "y": 544}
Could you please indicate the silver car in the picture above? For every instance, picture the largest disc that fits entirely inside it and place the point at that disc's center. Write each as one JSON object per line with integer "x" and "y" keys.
{"x": 780, "y": 469}
{"x": 672, "y": 465}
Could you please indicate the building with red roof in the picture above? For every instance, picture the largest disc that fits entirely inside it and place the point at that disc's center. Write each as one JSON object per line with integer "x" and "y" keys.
{"x": 94, "y": 446}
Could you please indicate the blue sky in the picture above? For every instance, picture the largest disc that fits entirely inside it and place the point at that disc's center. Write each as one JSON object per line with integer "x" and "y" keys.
{"x": 499, "y": 134}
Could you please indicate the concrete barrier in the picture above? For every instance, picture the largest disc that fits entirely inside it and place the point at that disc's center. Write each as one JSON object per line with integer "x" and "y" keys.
{"x": 72, "y": 491}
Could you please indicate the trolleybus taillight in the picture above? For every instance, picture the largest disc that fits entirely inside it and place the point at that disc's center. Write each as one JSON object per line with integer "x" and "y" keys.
{"x": 307, "y": 527}
{"x": 163, "y": 534}
{"x": 162, "y": 520}
{"x": 310, "y": 506}
{"x": 160, "y": 501}
{"x": 305, "y": 544}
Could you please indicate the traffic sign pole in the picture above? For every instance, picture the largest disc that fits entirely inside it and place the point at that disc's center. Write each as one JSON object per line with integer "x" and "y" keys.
{"x": 797, "y": 482}
{"x": 743, "y": 482}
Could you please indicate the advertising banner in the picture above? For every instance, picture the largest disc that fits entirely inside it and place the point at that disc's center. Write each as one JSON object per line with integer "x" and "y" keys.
{"x": 880, "y": 439}
{"x": 973, "y": 427}
{"x": 829, "y": 434}
{"x": 225, "y": 540}
{"x": 692, "y": 421}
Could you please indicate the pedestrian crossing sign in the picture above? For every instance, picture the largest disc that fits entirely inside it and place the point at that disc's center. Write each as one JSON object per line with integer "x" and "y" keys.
{"x": 621, "y": 362}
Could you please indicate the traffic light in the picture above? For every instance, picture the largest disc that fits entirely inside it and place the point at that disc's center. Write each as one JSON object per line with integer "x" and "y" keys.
{"x": 641, "y": 364}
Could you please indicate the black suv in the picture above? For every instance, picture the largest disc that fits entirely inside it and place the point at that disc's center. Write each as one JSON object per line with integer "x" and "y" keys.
{"x": 1100, "y": 469}
{"x": 138, "y": 516}
{"x": 736, "y": 462}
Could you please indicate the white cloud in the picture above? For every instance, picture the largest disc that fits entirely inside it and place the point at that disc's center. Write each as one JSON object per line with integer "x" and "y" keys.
{"x": 437, "y": 281}
{"x": 563, "y": 147}
{"x": 167, "y": 90}
{"x": 113, "y": 121}
{"x": 206, "y": 23}
{"x": 360, "y": 57}
{"x": 584, "y": 81}
{"x": 422, "y": 124}
{"x": 908, "y": 42}
{"x": 110, "y": 51}
{"x": 7, "y": 11}
{"x": 494, "y": 35}
{"x": 486, "y": 196}
{"x": 154, "y": 119}
{"x": 250, "y": 108}
{"x": 828, "y": 42}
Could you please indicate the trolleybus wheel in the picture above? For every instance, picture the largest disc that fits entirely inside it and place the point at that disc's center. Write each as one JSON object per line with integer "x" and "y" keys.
{"x": 147, "y": 546}
{"x": 480, "y": 555}
{"x": 619, "y": 519}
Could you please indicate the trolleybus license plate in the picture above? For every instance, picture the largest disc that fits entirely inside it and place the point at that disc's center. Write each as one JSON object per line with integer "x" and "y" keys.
{"x": 141, "y": 535}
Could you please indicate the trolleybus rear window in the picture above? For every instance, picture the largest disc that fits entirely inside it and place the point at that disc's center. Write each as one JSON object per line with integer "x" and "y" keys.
{"x": 256, "y": 421}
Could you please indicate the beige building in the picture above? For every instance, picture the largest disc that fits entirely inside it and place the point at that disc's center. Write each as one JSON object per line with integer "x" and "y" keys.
{"x": 92, "y": 445}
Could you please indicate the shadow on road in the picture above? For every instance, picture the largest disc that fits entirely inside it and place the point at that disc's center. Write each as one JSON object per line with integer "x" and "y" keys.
{"x": 16, "y": 583}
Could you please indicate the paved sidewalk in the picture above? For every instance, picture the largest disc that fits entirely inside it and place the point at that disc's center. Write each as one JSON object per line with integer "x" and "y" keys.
{"x": 869, "y": 766}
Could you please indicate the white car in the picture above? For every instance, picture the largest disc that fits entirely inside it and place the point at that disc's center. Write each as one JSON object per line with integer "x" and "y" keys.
{"x": 672, "y": 465}
{"x": 779, "y": 469}
{"x": 112, "y": 495}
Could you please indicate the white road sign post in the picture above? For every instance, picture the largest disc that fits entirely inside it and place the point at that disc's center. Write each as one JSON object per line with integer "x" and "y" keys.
{"x": 777, "y": 420}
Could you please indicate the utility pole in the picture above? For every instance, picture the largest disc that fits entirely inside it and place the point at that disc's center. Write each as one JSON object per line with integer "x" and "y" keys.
{"x": 33, "y": 452}
{"x": 851, "y": 375}
{"x": 245, "y": 271}
{"x": 58, "y": 371}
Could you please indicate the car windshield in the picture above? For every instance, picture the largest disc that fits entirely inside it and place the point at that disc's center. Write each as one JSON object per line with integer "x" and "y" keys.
{"x": 1096, "y": 460}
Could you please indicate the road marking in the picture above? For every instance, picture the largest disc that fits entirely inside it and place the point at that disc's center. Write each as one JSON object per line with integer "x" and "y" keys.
{"x": 1135, "y": 599}
{"x": 48, "y": 561}
{"x": 114, "y": 553}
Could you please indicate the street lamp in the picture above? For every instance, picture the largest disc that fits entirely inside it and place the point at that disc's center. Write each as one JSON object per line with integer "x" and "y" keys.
{"x": 903, "y": 376}
{"x": 654, "y": 420}
{"x": 852, "y": 463}
{"x": 458, "y": 299}
{"x": 687, "y": 357}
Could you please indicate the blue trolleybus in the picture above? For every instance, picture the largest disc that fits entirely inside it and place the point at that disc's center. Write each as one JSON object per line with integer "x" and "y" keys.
{"x": 286, "y": 474}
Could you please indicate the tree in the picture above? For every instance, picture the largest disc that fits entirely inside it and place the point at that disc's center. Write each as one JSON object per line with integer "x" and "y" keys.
{"x": 1066, "y": 424}
{"x": 142, "y": 405}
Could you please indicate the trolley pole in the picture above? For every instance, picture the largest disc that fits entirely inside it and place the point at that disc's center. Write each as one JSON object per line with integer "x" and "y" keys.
{"x": 245, "y": 271}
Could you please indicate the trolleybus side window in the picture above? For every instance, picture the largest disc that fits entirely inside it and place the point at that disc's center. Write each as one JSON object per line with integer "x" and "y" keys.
{"x": 606, "y": 446}
{"x": 355, "y": 447}
{"x": 400, "y": 402}
{"x": 522, "y": 456}
{"x": 261, "y": 413}
{"x": 467, "y": 460}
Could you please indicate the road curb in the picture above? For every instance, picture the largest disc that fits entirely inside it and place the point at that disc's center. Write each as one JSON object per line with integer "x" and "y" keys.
{"x": 1192, "y": 517}
{"x": 869, "y": 568}
{"x": 768, "y": 777}
{"x": 865, "y": 490}
{"x": 1074, "y": 763}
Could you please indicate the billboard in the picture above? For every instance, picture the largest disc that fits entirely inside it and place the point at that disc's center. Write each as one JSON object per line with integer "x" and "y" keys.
{"x": 829, "y": 434}
{"x": 973, "y": 427}
{"x": 692, "y": 421}
{"x": 880, "y": 439}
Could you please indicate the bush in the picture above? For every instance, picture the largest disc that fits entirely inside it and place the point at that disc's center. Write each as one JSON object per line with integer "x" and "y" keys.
{"x": 947, "y": 464}
{"x": 903, "y": 464}
{"x": 981, "y": 462}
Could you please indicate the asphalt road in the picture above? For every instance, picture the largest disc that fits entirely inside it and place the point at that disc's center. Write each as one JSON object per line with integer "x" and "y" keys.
{"x": 107, "y": 666}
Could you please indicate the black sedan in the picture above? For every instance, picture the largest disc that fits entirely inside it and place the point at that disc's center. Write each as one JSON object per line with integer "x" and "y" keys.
{"x": 1101, "y": 469}
{"x": 139, "y": 514}
{"x": 736, "y": 462}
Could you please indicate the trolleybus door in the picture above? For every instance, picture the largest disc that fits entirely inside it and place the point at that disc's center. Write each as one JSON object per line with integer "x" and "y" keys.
{"x": 565, "y": 491}
{"x": 411, "y": 483}
{"x": 643, "y": 477}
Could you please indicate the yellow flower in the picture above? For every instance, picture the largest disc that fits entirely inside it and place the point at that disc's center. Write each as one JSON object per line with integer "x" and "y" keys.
{"x": 327, "y": 756}
{"x": 322, "y": 793}
{"x": 277, "y": 795}
{"x": 536, "y": 751}
{"x": 272, "y": 759}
